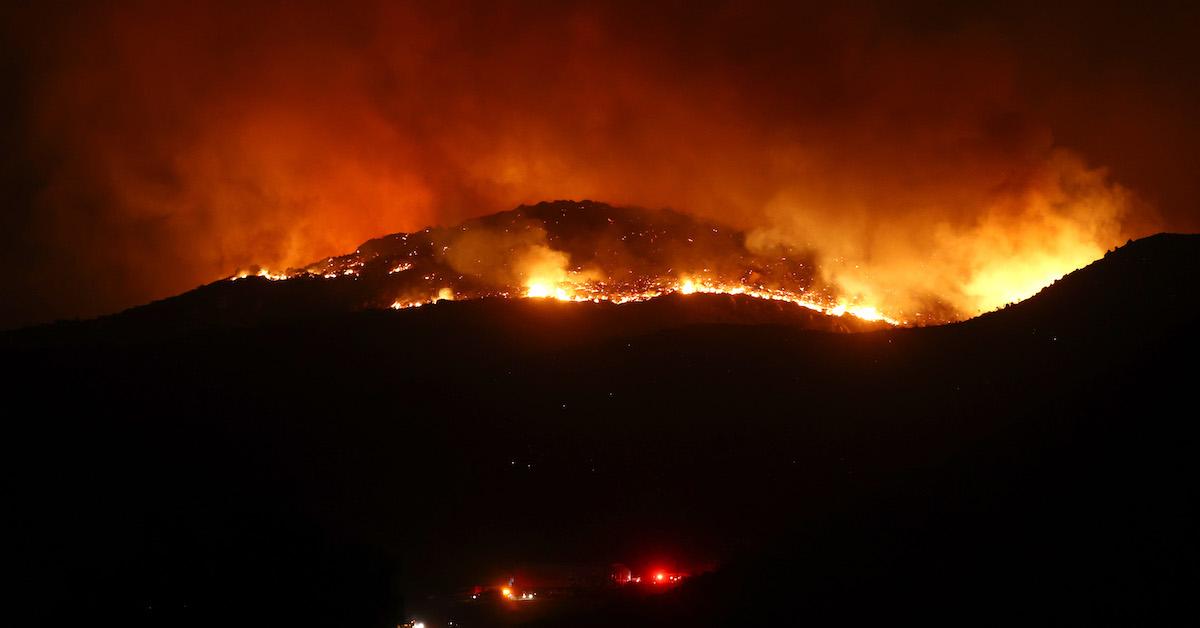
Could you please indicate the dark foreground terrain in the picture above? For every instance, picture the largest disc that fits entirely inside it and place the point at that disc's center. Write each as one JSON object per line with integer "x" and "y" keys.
{"x": 1034, "y": 465}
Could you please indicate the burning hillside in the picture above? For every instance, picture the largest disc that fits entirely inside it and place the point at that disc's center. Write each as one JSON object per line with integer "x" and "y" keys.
{"x": 583, "y": 251}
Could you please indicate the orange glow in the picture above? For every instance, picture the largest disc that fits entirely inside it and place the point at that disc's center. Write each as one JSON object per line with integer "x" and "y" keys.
{"x": 262, "y": 272}
{"x": 934, "y": 181}
{"x": 510, "y": 254}
{"x": 537, "y": 290}
{"x": 598, "y": 292}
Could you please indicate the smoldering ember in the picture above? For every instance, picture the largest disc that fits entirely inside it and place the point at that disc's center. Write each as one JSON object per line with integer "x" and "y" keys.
{"x": 592, "y": 314}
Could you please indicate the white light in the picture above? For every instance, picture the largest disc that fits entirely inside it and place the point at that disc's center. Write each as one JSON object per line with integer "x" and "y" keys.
{"x": 418, "y": 624}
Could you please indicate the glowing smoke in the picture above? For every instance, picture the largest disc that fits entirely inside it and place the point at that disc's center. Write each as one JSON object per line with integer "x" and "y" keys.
{"x": 180, "y": 143}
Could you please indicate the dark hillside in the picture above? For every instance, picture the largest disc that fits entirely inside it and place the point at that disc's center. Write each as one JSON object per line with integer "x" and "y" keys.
{"x": 1031, "y": 465}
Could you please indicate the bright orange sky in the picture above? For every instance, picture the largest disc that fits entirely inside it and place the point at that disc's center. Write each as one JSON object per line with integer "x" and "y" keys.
{"x": 928, "y": 150}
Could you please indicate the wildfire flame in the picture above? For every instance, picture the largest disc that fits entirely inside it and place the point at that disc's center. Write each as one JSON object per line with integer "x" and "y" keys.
{"x": 261, "y": 272}
{"x": 934, "y": 173}
{"x": 570, "y": 290}
{"x": 597, "y": 292}
{"x": 576, "y": 252}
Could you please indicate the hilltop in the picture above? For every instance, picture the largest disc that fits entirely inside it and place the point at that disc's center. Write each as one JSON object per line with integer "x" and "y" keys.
{"x": 340, "y": 468}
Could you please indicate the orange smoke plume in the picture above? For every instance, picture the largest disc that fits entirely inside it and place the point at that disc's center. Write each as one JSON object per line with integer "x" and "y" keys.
{"x": 916, "y": 158}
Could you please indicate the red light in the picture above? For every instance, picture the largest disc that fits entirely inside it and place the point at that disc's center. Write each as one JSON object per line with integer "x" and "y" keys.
{"x": 658, "y": 577}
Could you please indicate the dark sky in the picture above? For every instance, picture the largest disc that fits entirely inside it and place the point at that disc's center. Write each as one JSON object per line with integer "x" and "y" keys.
{"x": 156, "y": 146}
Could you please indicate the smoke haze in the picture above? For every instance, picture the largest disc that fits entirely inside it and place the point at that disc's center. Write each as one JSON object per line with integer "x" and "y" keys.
{"x": 925, "y": 154}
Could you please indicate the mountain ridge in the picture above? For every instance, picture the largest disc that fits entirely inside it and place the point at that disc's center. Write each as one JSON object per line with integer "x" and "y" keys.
{"x": 360, "y": 281}
{"x": 362, "y": 462}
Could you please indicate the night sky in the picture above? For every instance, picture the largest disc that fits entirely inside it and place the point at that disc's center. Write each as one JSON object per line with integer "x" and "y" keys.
{"x": 156, "y": 146}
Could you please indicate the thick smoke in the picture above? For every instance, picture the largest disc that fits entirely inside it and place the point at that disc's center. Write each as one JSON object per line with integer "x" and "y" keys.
{"x": 513, "y": 256}
{"x": 965, "y": 250}
{"x": 913, "y": 152}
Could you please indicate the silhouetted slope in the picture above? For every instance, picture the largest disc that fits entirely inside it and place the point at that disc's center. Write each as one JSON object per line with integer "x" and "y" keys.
{"x": 293, "y": 303}
{"x": 633, "y": 250}
{"x": 1033, "y": 465}
{"x": 1150, "y": 282}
